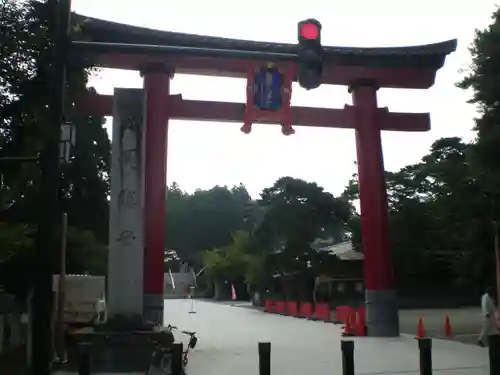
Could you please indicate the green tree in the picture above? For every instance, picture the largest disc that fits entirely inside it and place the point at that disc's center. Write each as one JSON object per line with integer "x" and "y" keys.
{"x": 436, "y": 218}
{"x": 481, "y": 79}
{"x": 203, "y": 220}
{"x": 232, "y": 264}
{"x": 24, "y": 78}
{"x": 84, "y": 254}
{"x": 229, "y": 262}
{"x": 298, "y": 212}
{"x": 25, "y": 58}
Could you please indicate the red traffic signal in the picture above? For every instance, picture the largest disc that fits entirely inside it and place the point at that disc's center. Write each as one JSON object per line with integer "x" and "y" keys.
{"x": 310, "y": 54}
{"x": 309, "y": 30}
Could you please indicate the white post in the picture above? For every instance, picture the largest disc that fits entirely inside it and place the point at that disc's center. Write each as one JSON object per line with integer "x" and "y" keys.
{"x": 193, "y": 302}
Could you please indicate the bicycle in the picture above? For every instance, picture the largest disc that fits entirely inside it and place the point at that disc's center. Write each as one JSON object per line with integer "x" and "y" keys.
{"x": 162, "y": 355}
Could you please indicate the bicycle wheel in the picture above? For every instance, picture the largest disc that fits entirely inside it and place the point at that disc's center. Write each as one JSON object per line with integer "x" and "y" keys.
{"x": 166, "y": 363}
{"x": 151, "y": 365}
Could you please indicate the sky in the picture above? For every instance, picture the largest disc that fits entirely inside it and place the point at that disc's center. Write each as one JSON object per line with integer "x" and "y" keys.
{"x": 202, "y": 155}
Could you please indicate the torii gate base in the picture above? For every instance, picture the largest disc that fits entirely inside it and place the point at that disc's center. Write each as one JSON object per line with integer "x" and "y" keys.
{"x": 140, "y": 149}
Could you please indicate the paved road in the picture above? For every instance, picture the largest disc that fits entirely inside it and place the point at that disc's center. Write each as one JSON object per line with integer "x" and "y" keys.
{"x": 229, "y": 336}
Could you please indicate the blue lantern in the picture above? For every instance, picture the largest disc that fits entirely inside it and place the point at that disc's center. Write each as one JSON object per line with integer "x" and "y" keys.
{"x": 268, "y": 86}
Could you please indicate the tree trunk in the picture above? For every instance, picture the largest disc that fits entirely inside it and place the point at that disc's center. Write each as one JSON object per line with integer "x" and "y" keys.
{"x": 218, "y": 290}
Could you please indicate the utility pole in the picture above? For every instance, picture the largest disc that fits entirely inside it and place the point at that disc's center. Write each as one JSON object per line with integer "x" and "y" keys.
{"x": 61, "y": 293}
{"x": 497, "y": 262}
{"x": 48, "y": 209}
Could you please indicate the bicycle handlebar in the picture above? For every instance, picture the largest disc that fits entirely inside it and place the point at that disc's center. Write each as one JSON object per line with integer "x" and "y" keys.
{"x": 189, "y": 333}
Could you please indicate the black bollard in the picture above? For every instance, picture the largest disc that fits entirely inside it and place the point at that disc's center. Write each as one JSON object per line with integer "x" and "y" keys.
{"x": 494, "y": 351}
{"x": 84, "y": 359}
{"x": 425, "y": 349}
{"x": 264, "y": 358}
{"x": 347, "y": 348}
{"x": 177, "y": 353}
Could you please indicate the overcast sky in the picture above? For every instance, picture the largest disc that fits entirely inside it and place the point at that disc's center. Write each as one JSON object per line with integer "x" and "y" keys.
{"x": 201, "y": 155}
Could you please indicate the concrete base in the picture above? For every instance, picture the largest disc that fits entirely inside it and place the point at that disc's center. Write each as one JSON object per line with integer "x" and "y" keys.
{"x": 153, "y": 308}
{"x": 382, "y": 317}
{"x": 112, "y": 352}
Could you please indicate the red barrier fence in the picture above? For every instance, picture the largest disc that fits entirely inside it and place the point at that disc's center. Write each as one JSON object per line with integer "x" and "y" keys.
{"x": 322, "y": 312}
{"x": 341, "y": 314}
{"x": 269, "y": 305}
{"x": 279, "y": 307}
{"x": 306, "y": 310}
{"x": 291, "y": 308}
{"x": 354, "y": 320}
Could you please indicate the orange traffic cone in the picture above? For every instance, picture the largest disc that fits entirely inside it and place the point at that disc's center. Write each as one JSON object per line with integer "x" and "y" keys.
{"x": 361, "y": 323}
{"x": 447, "y": 327}
{"x": 348, "y": 327}
{"x": 420, "y": 329}
{"x": 233, "y": 293}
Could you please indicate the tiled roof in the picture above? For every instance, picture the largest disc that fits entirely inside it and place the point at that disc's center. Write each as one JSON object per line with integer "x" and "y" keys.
{"x": 343, "y": 251}
{"x": 425, "y": 56}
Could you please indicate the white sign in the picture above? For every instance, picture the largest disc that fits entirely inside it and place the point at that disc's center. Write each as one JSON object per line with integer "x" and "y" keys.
{"x": 67, "y": 140}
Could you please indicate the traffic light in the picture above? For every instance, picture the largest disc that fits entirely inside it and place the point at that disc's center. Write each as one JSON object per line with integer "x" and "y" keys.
{"x": 310, "y": 56}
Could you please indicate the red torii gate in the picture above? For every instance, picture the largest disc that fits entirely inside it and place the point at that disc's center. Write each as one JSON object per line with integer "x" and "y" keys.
{"x": 363, "y": 70}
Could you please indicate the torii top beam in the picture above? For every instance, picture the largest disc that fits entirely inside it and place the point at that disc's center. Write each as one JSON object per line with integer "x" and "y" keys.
{"x": 399, "y": 67}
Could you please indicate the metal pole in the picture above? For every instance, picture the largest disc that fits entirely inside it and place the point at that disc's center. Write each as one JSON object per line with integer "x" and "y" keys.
{"x": 84, "y": 365}
{"x": 347, "y": 348}
{"x": 494, "y": 354}
{"x": 61, "y": 291}
{"x": 177, "y": 353}
{"x": 46, "y": 239}
{"x": 425, "y": 356}
{"x": 264, "y": 358}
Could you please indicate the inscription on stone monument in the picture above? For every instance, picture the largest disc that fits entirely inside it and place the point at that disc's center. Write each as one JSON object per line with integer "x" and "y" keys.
{"x": 127, "y": 199}
{"x": 126, "y": 253}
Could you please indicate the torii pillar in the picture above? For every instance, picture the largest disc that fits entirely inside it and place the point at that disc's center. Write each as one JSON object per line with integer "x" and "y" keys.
{"x": 156, "y": 98}
{"x": 138, "y": 197}
{"x": 380, "y": 295}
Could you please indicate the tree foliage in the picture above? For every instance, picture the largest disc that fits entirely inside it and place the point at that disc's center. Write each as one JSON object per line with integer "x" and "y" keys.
{"x": 84, "y": 255}
{"x": 203, "y": 220}
{"x": 438, "y": 225}
{"x": 298, "y": 212}
{"x": 228, "y": 262}
{"x": 25, "y": 80}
